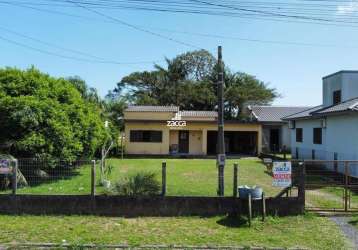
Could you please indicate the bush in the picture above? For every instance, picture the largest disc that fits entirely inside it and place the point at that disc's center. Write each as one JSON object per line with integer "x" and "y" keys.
{"x": 140, "y": 184}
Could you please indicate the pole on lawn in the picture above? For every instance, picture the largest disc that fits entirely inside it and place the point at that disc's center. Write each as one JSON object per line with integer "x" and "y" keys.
{"x": 221, "y": 140}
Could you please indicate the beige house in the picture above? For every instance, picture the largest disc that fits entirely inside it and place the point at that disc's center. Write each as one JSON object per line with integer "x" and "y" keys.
{"x": 165, "y": 130}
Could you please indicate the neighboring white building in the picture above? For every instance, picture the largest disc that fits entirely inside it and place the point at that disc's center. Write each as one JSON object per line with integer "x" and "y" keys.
{"x": 275, "y": 131}
{"x": 329, "y": 131}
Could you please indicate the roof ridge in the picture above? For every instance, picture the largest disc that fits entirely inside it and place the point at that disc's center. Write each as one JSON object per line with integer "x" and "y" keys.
{"x": 279, "y": 106}
{"x": 302, "y": 112}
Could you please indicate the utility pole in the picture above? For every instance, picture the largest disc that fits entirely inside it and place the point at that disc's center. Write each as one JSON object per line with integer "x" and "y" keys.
{"x": 221, "y": 138}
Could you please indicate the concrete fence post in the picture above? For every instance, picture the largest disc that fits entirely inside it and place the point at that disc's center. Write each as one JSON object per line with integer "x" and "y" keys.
{"x": 164, "y": 178}
{"x": 14, "y": 176}
{"x": 93, "y": 178}
{"x": 302, "y": 182}
{"x": 235, "y": 182}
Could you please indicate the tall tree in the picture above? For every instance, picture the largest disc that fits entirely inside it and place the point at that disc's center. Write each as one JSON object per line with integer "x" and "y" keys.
{"x": 189, "y": 81}
{"x": 47, "y": 117}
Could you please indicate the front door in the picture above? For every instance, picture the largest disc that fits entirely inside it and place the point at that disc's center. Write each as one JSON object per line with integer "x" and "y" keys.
{"x": 274, "y": 140}
{"x": 184, "y": 142}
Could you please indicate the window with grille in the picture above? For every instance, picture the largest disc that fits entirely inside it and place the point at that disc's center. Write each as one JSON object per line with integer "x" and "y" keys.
{"x": 145, "y": 136}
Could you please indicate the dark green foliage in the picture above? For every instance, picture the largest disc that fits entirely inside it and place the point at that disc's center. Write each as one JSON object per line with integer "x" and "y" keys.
{"x": 46, "y": 117}
{"x": 139, "y": 184}
{"x": 189, "y": 81}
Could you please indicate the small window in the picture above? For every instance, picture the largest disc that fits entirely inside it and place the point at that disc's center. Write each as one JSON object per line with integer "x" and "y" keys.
{"x": 317, "y": 136}
{"x": 337, "y": 97}
{"x": 299, "y": 134}
{"x": 145, "y": 136}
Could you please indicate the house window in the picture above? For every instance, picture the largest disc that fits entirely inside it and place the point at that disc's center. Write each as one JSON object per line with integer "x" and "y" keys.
{"x": 145, "y": 136}
{"x": 317, "y": 136}
{"x": 337, "y": 97}
{"x": 299, "y": 134}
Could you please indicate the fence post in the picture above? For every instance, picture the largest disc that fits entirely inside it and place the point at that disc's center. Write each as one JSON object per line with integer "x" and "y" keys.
{"x": 346, "y": 186}
{"x": 234, "y": 191}
{"x": 335, "y": 164}
{"x": 301, "y": 182}
{"x": 14, "y": 177}
{"x": 263, "y": 206}
{"x": 164, "y": 178}
{"x": 93, "y": 178}
{"x": 313, "y": 154}
{"x": 297, "y": 155}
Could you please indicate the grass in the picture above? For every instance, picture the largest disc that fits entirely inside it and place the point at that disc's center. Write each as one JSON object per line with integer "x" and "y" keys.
{"x": 197, "y": 177}
{"x": 306, "y": 231}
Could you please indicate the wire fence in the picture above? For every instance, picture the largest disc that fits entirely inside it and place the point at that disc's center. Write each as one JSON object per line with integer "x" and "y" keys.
{"x": 37, "y": 176}
{"x": 182, "y": 177}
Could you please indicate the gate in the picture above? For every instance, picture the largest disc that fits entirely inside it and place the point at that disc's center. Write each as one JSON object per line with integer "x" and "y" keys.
{"x": 331, "y": 185}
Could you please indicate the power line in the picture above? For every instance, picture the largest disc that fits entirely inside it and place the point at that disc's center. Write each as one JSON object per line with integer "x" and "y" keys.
{"x": 65, "y": 56}
{"x": 242, "y": 16}
{"x": 135, "y": 27}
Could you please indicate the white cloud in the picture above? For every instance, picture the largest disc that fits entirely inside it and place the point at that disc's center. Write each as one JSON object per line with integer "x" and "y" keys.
{"x": 348, "y": 8}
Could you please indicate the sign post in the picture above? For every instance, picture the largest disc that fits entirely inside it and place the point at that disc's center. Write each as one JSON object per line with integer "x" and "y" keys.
{"x": 282, "y": 174}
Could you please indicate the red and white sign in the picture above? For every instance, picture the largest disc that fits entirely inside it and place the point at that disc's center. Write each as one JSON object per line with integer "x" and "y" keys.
{"x": 282, "y": 174}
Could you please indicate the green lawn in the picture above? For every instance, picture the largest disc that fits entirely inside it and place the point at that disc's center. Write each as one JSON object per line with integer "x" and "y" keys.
{"x": 308, "y": 231}
{"x": 184, "y": 176}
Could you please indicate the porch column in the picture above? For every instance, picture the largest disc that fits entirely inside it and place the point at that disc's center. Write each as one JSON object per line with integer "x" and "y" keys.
{"x": 259, "y": 140}
{"x": 204, "y": 141}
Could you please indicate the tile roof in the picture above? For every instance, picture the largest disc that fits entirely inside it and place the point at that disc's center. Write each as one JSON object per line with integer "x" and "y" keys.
{"x": 138, "y": 108}
{"x": 198, "y": 113}
{"x": 274, "y": 113}
{"x": 302, "y": 114}
{"x": 349, "y": 105}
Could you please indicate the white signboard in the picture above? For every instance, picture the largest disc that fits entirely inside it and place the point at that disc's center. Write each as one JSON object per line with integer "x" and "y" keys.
{"x": 282, "y": 172}
{"x": 5, "y": 167}
{"x": 174, "y": 123}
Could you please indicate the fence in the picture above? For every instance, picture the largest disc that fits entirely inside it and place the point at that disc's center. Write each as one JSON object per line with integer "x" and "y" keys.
{"x": 37, "y": 176}
{"x": 39, "y": 183}
{"x": 331, "y": 185}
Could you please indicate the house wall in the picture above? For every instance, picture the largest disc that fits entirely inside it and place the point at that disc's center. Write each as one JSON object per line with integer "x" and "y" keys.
{"x": 197, "y": 135}
{"x": 347, "y": 82}
{"x": 195, "y": 142}
{"x": 340, "y": 136}
{"x": 286, "y": 136}
{"x": 307, "y": 145}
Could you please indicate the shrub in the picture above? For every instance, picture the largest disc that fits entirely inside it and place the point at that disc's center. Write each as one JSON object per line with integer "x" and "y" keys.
{"x": 140, "y": 184}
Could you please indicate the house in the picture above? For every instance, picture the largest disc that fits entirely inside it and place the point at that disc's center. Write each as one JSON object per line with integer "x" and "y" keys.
{"x": 166, "y": 130}
{"x": 275, "y": 132}
{"x": 329, "y": 131}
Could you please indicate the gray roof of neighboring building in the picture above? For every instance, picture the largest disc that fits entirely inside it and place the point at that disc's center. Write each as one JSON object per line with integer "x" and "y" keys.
{"x": 189, "y": 113}
{"x": 303, "y": 114}
{"x": 349, "y": 105}
{"x": 341, "y": 72}
{"x": 138, "y": 108}
{"x": 274, "y": 113}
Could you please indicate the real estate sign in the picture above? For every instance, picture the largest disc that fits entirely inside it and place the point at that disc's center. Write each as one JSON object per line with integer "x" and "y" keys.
{"x": 282, "y": 172}
{"x": 5, "y": 167}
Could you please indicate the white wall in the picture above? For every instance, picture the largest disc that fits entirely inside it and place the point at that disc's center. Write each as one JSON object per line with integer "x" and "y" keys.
{"x": 285, "y": 136}
{"x": 306, "y": 146}
{"x": 347, "y": 82}
{"x": 329, "y": 85}
{"x": 340, "y": 136}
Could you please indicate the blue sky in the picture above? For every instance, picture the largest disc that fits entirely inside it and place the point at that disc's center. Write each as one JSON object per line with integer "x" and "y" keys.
{"x": 295, "y": 71}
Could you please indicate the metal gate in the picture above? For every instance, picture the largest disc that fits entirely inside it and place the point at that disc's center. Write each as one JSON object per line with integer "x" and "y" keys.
{"x": 331, "y": 185}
